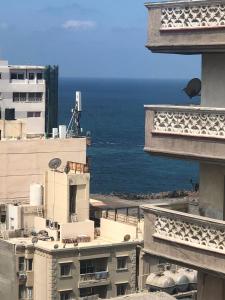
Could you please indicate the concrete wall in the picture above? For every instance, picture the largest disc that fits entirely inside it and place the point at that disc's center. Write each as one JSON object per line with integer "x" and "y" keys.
{"x": 116, "y": 231}
{"x": 57, "y": 196}
{"x": 8, "y": 277}
{"x": 73, "y": 230}
{"x": 210, "y": 287}
{"x": 25, "y": 162}
{"x": 212, "y": 190}
{"x": 213, "y": 75}
{"x": 43, "y": 272}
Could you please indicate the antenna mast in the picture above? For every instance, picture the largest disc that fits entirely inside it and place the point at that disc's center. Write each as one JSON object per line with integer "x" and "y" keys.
{"x": 74, "y": 129}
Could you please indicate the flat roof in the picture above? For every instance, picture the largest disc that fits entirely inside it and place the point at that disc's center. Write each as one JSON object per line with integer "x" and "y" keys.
{"x": 26, "y": 67}
{"x": 181, "y": 2}
{"x": 49, "y": 245}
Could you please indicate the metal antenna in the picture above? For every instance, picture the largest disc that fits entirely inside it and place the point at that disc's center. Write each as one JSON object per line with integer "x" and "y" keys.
{"x": 73, "y": 129}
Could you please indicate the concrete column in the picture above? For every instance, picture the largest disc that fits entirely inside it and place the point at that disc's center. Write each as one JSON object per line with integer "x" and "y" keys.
{"x": 210, "y": 287}
{"x": 212, "y": 181}
{"x": 213, "y": 80}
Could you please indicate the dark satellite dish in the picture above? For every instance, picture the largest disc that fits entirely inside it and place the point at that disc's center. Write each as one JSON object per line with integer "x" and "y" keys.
{"x": 127, "y": 237}
{"x": 54, "y": 163}
{"x": 193, "y": 88}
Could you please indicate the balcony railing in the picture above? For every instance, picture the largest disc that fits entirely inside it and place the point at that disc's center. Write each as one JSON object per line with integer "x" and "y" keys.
{"x": 192, "y": 121}
{"x": 193, "y": 15}
{"x": 190, "y": 230}
{"x": 185, "y": 26}
{"x": 97, "y": 276}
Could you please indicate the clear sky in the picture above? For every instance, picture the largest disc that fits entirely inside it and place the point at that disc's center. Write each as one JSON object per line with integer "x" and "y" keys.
{"x": 86, "y": 38}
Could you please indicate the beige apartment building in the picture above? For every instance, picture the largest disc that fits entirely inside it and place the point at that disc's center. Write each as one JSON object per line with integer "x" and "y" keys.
{"x": 49, "y": 249}
{"x": 191, "y": 132}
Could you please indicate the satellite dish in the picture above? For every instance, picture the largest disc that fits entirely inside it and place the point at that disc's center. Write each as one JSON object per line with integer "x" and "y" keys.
{"x": 56, "y": 246}
{"x": 193, "y": 88}
{"x": 127, "y": 237}
{"x": 34, "y": 240}
{"x": 54, "y": 163}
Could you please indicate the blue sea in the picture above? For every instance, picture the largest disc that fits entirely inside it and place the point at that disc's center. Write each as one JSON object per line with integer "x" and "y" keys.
{"x": 113, "y": 111}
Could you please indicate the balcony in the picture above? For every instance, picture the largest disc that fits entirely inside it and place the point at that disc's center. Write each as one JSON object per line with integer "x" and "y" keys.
{"x": 194, "y": 241}
{"x": 181, "y": 26}
{"x": 185, "y": 132}
{"x": 94, "y": 279}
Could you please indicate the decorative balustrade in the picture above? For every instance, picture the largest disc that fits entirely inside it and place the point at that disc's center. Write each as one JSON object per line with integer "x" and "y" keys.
{"x": 194, "y": 16}
{"x": 193, "y": 121}
{"x": 192, "y": 230}
{"x": 97, "y": 276}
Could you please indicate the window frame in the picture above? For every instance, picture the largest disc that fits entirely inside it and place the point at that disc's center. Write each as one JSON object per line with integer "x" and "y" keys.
{"x": 23, "y": 263}
{"x": 33, "y": 114}
{"x": 121, "y": 266}
{"x": 63, "y": 265}
{"x": 30, "y": 264}
{"x": 64, "y": 294}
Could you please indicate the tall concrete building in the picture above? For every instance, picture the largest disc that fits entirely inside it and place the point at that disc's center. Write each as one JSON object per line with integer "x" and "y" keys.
{"x": 28, "y": 95}
{"x": 194, "y": 133}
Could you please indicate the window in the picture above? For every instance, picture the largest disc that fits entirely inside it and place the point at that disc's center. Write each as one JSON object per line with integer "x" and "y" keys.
{"x": 29, "y": 293}
{"x": 35, "y": 97}
{"x": 121, "y": 263}
{"x": 21, "y": 263}
{"x": 39, "y": 76}
{"x": 30, "y": 264}
{"x": 0, "y": 75}
{"x": 20, "y": 76}
{"x": 22, "y": 291}
{"x": 121, "y": 289}
{"x": 33, "y": 114}
{"x": 67, "y": 295}
{"x": 65, "y": 269}
{"x": 13, "y": 76}
{"x": 85, "y": 292}
{"x": 87, "y": 267}
{"x": 19, "y": 97}
{"x": 17, "y": 76}
{"x": 31, "y": 76}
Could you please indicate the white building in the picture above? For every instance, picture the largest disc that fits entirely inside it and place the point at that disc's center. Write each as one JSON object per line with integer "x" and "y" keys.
{"x": 23, "y": 91}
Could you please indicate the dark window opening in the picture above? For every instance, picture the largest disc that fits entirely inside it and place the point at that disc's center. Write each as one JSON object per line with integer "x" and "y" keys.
{"x": 73, "y": 193}
{"x": 31, "y": 76}
{"x": 10, "y": 114}
{"x": 121, "y": 289}
{"x": 39, "y": 76}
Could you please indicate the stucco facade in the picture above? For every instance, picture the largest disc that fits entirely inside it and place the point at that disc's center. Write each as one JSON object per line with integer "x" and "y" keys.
{"x": 25, "y": 162}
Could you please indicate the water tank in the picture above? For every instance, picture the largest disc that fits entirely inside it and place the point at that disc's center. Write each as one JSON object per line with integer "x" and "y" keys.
{"x": 192, "y": 276}
{"x": 62, "y": 131}
{"x": 160, "y": 282}
{"x": 180, "y": 279}
{"x": 55, "y": 133}
{"x": 36, "y": 194}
